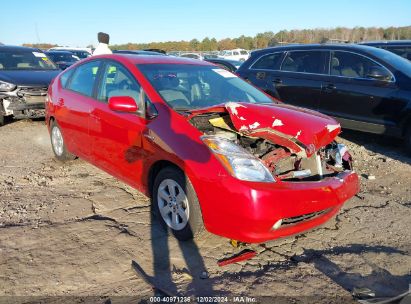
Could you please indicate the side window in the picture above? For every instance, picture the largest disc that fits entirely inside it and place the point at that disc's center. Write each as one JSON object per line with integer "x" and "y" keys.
{"x": 304, "y": 62}
{"x": 267, "y": 62}
{"x": 117, "y": 81}
{"x": 84, "y": 78}
{"x": 65, "y": 77}
{"x": 350, "y": 65}
{"x": 236, "y": 53}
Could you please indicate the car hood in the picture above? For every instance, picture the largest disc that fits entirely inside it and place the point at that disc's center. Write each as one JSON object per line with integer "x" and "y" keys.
{"x": 302, "y": 131}
{"x": 29, "y": 77}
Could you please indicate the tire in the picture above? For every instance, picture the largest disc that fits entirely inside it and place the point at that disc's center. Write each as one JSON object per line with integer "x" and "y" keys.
{"x": 2, "y": 119}
{"x": 173, "y": 199}
{"x": 57, "y": 143}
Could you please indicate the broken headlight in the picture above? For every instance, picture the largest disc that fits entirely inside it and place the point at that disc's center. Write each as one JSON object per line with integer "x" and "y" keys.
{"x": 238, "y": 161}
{"x": 6, "y": 87}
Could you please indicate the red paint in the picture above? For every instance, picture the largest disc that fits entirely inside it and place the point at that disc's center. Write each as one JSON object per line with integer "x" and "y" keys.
{"x": 122, "y": 104}
{"x": 127, "y": 146}
{"x": 242, "y": 256}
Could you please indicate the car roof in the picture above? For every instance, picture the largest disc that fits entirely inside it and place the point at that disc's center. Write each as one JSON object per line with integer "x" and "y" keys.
{"x": 328, "y": 46}
{"x": 386, "y": 42}
{"x": 17, "y": 48}
{"x": 153, "y": 59}
{"x": 59, "y": 52}
{"x": 139, "y": 52}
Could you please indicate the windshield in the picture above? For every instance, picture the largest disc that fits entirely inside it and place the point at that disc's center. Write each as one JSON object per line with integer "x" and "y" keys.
{"x": 25, "y": 60}
{"x": 58, "y": 57}
{"x": 185, "y": 86}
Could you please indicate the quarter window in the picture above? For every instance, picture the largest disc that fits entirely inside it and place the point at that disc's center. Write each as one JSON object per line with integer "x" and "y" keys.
{"x": 65, "y": 77}
{"x": 267, "y": 62}
{"x": 304, "y": 62}
{"x": 84, "y": 77}
{"x": 350, "y": 65}
{"x": 117, "y": 81}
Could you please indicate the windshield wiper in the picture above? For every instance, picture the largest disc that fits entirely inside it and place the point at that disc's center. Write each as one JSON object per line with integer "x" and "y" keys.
{"x": 182, "y": 109}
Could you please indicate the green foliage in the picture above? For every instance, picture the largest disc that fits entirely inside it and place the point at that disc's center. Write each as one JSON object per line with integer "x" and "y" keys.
{"x": 267, "y": 39}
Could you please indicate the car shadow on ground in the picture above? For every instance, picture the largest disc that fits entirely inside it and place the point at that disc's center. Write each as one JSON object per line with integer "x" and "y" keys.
{"x": 380, "y": 281}
{"x": 388, "y": 146}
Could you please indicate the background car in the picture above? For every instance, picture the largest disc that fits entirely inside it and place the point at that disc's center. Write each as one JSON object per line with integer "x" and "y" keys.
{"x": 365, "y": 88}
{"x": 137, "y": 52}
{"x": 399, "y": 47}
{"x": 81, "y": 53}
{"x": 230, "y": 65}
{"x": 25, "y": 74}
{"x": 252, "y": 171}
{"x": 236, "y": 54}
{"x": 62, "y": 59}
{"x": 192, "y": 56}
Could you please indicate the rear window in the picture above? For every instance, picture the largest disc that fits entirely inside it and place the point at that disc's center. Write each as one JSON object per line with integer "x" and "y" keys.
{"x": 25, "y": 60}
{"x": 305, "y": 62}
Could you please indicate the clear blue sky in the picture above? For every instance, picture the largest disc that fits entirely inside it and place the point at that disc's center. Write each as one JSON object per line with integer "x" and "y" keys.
{"x": 76, "y": 23}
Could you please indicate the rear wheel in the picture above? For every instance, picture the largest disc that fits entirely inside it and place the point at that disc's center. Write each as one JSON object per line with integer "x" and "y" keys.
{"x": 57, "y": 143}
{"x": 175, "y": 203}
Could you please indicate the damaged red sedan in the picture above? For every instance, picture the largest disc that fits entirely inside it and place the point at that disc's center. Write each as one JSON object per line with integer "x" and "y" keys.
{"x": 210, "y": 150}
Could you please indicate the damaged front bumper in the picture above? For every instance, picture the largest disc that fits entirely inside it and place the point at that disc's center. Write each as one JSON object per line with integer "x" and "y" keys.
{"x": 24, "y": 102}
{"x": 257, "y": 212}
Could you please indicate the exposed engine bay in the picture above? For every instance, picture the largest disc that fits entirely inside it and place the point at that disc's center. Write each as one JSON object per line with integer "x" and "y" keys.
{"x": 283, "y": 163}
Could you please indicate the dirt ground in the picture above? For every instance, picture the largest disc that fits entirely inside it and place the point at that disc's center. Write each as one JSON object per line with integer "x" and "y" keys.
{"x": 70, "y": 231}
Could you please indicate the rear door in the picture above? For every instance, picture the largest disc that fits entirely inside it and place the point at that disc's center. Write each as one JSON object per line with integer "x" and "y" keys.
{"x": 300, "y": 78}
{"x": 116, "y": 137}
{"x": 73, "y": 108}
{"x": 359, "y": 101}
{"x": 260, "y": 72}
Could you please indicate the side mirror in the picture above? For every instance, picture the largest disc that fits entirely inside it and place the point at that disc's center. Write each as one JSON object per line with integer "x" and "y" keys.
{"x": 122, "y": 104}
{"x": 379, "y": 73}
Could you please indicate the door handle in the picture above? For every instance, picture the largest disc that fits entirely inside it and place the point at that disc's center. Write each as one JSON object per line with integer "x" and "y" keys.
{"x": 260, "y": 75}
{"x": 277, "y": 80}
{"x": 60, "y": 101}
{"x": 329, "y": 87}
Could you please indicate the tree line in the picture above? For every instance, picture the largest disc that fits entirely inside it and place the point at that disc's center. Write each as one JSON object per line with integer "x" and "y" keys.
{"x": 268, "y": 39}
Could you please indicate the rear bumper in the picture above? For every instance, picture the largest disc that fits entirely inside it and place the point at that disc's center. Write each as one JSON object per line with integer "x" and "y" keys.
{"x": 249, "y": 211}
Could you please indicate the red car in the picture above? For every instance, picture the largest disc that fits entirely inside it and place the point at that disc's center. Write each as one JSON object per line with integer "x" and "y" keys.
{"x": 210, "y": 149}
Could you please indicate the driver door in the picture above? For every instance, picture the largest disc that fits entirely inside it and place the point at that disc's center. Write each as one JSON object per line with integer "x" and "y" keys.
{"x": 117, "y": 137}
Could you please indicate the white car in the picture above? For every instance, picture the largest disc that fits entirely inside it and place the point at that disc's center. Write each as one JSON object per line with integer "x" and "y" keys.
{"x": 192, "y": 56}
{"x": 236, "y": 54}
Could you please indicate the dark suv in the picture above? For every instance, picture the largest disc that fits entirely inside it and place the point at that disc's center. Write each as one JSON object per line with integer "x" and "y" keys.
{"x": 25, "y": 74}
{"x": 365, "y": 88}
{"x": 399, "y": 47}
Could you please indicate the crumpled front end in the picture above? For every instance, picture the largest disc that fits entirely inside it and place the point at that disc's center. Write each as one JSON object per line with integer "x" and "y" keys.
{"x": 295, "y": 144}
{"x": 24, "y": 102}
{"x": 311, "y": 173}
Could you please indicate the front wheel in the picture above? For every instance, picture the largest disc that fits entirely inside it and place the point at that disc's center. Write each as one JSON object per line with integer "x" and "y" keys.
{"x": 175, "y": 203}
{"x": 57, "y": 143}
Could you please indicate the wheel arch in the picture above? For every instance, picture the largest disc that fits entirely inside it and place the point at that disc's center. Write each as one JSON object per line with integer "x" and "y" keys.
{"x": 155, "y": 169}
